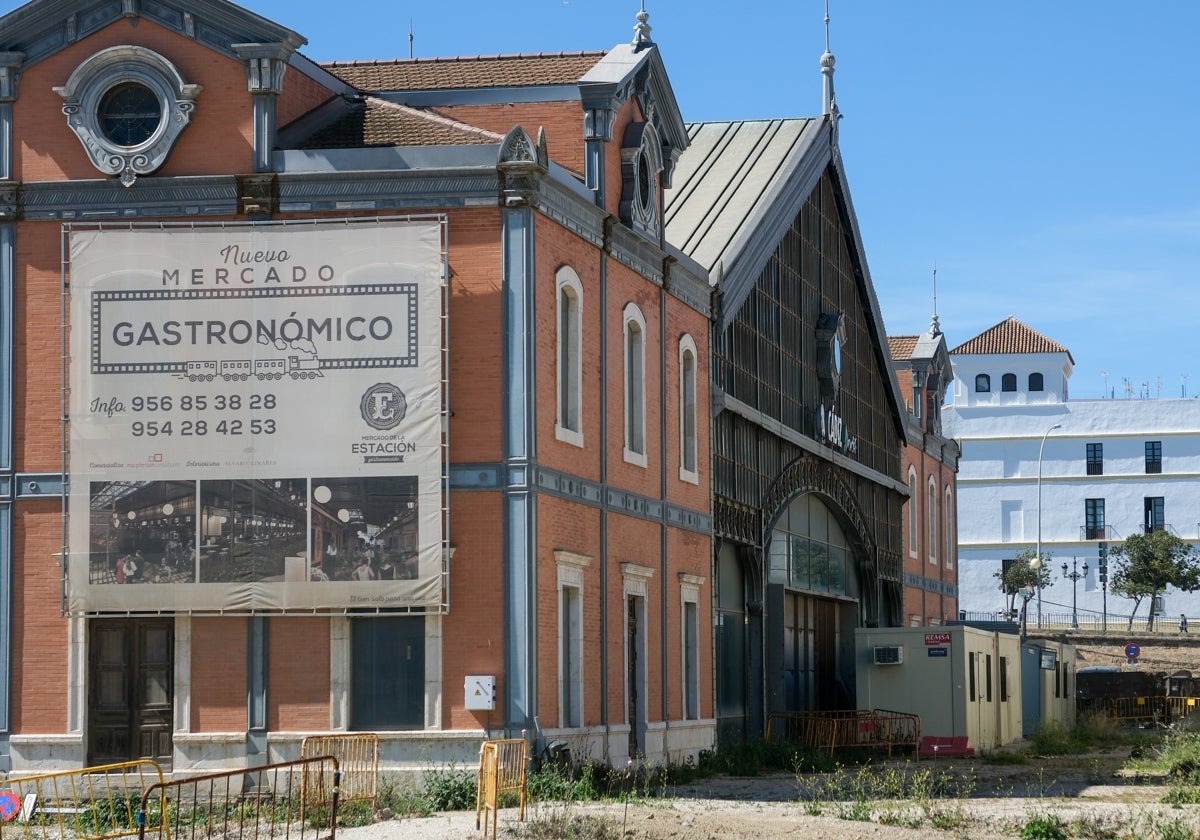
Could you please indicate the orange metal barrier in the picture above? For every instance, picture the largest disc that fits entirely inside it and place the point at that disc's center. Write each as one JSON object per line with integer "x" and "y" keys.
{"x": 94, "y": 802}
{"x": 502, "y": 767}
{"x": 257, "y": 803}
{"x": 357, "y": 757}
{"x": 873, "y": 729}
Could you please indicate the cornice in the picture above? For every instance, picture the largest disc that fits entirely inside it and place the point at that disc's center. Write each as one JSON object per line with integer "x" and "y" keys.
{"x": 40, "y": 29}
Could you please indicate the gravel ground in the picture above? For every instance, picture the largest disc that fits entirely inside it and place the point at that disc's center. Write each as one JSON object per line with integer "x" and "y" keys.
{"x": 998, "y": 800}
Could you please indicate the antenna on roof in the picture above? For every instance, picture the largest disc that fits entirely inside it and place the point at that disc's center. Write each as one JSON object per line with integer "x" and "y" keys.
{"x": 935, "y": 328}
{"x": 829, "y": 103}
{"x": 641, "y": 32}
{"x": 410, "y": 38}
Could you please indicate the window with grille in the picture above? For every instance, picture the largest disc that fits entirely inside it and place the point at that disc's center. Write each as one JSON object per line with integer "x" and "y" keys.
{"x": 1093, "y": 512}
{"x": 1153, "y": 456}
{"x": 1095, "y": 459}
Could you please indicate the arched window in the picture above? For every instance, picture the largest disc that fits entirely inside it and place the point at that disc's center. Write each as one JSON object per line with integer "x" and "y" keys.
{"x": 983, "y": 384}
{"x": 688, "y": 470}
{"x": 932, "y": 536}
{"x": 914, "y": 519}
{"x": 1008, "y": 382}
{"x": 569, "y": 425}
{"x": 635, "y": 385}
{"x": 1035, "y": 382}
{"x": 948, "y": 520}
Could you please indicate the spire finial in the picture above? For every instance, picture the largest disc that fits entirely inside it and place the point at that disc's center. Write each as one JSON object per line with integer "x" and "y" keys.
{"x": 829, "y": 105}
{"x": 641, "y": 32}
{"x": 934, "y": 327}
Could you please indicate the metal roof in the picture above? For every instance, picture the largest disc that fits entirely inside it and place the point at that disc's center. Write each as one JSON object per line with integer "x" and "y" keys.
{"x": 728, "y": 180}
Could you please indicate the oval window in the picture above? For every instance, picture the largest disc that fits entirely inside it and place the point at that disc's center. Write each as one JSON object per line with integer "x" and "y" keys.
{"x": 129, "y": 114}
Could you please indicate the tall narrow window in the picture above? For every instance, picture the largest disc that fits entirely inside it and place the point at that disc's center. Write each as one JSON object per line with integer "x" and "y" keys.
{"x": 1093, "y": 519}
{"x": 1155, "y": 518}
{"x": 1008, "y": 382}
{"x": 635, "y": 386}
{"x": 570, "y": 636}
{"x": 914, "y": 518}
{"x": 988, "y": 678}
{"x": 1095, "y": 459}
{"x": 569, "y": 426}
{"x": 688, "y": 469}
{"x": 1036, "y": 382}
{"x": 932, "y": 537}
{"x": 948, "y": 520}
{"x": 1153, "y": 456}
{"x": 689, "y": 591}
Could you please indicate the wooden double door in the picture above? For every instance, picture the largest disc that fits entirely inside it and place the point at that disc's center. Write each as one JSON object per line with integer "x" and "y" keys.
{"x": 131, "y": 673}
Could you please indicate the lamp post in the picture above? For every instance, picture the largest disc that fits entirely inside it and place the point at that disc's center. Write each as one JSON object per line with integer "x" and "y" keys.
{"x": 1074, "y": 576}
{"x": 1036, "y": 563}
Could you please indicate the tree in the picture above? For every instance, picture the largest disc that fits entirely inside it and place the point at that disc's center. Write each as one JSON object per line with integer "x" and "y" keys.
{"x": 1018, "y": 577}
{"x": 1146, "y": 564}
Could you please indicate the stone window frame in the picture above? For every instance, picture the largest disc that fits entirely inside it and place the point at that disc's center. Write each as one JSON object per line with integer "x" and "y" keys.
{"x": 97, "y": 75}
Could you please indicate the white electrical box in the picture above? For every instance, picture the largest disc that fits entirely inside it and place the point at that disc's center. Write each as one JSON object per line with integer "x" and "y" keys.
{"x": 481, "y": 693}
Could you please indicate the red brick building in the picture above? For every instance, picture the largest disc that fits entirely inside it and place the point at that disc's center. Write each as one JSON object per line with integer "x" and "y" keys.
{"x": 930, "y": 463}
{"x": 460, "y": 436}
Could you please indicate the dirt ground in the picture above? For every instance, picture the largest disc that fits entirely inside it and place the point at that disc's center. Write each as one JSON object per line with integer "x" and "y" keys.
{"x": 995, "y": 802}
{"x": 1094, "y": 793}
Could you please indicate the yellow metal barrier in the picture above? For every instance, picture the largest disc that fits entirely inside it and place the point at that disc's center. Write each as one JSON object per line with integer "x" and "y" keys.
{"x": 93, "y": 803}
{"x": 357, "y": 757}
{"x": 502, "y": 766}
{"x": 879, "y": 729}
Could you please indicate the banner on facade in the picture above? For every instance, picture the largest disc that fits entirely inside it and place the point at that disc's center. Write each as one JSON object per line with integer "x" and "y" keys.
{"x": 256, "y": 417}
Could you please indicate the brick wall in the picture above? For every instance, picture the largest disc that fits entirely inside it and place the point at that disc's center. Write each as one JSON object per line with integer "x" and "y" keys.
{"x": 219, "y": 647}
{"x": 298, "y": 674}
{"x": 218, "y": 140}
{"x": 39, "y": 633}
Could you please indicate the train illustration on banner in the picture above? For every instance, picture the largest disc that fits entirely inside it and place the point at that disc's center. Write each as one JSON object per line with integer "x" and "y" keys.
{"x": 239, "y": 370}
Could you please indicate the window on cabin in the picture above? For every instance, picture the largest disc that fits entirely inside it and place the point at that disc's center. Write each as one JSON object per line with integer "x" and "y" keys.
{"x": 1035, "y": 382}
{"x": 1008, "y": 382}
{"x": 983, "y": 384}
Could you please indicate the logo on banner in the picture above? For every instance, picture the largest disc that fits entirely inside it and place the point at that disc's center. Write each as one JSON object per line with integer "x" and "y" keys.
{"x": 383, "y": 406}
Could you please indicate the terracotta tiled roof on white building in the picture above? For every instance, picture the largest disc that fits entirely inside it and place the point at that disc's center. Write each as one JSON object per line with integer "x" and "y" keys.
{"x": 1010, "y": 336}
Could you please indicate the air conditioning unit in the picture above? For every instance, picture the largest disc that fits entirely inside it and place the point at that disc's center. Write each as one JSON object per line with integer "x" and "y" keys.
{"x": 888, "y": 655}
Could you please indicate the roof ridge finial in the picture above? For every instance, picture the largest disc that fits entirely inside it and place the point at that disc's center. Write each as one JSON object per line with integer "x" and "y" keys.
{"x": 641, "y": 32}
{"x": 829, "y": 104}
{"x": 935, "y": 328}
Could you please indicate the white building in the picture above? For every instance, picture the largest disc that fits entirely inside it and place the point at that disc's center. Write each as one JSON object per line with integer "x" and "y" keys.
{"x": 1101, "y": 470}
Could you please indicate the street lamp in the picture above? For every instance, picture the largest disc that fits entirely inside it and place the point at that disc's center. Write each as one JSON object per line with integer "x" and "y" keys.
{"x": 1074, "y": 577}
{"x": 1036, "y": 563}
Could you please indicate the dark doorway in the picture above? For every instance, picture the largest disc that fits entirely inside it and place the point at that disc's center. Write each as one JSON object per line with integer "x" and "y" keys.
{"x": 131, "y": 675}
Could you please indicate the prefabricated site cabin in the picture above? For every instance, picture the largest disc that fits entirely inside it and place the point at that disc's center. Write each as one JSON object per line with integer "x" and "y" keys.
{"x": 960, "y": 680}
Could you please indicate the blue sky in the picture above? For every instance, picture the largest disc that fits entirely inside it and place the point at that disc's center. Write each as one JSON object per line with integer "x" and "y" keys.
{"x": 1043, "y": 155}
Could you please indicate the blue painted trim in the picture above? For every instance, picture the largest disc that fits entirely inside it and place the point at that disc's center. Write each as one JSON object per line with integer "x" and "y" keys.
{"x": 6, "y": 613}
{"x": 40, "y": 486}
{"x": 256, "y": 676}
{"x": 8, "y": 235}
{"x": 520, "y": 575}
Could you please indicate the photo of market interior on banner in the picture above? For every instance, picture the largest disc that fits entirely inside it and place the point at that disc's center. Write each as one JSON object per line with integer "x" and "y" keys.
{"x": 256, "y": 417}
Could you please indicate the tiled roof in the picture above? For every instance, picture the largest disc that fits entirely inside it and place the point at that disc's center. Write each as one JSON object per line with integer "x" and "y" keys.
{"x": 520, "y": 70}
{"x": 375, "y": 122}
{"x": 1007, "y": 337}
{"x": 902, "y": 346}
